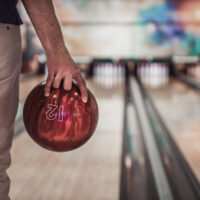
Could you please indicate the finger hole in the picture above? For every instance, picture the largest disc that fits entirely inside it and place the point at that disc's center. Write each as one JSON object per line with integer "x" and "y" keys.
{"x": 67, "y": 85}
{"x": 83, "y": 89}
{"x": 57, "y": 81}
{"x": 48, "y": 84}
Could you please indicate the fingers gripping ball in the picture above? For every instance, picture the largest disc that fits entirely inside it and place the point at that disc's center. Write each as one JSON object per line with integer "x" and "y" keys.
{"x": 60, "y": 122}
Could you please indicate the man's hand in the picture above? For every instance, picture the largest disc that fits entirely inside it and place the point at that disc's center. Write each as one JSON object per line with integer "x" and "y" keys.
{"x": 59, "y": 62}
{"x": 60, "y": 68}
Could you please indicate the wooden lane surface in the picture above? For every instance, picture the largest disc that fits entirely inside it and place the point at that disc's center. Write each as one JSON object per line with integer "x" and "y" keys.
{"x": 179, "y": 107}
{"x": 88, "y": 173}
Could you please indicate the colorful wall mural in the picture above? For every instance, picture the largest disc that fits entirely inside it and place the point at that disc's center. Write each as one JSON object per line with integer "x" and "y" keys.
{"x": 156, "y": 28}
{"x": 174, "y": 21}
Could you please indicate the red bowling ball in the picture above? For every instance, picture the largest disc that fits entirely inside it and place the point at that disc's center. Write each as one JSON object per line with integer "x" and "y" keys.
{"x": 60, "y": 122}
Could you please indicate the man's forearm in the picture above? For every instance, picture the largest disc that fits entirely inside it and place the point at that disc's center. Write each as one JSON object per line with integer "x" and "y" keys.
{"x": 42, "y": 15}
{"x": 59, "y": 62}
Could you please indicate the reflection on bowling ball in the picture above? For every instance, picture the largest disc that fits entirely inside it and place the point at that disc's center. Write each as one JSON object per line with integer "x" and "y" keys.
{"x": 60, "y": 122}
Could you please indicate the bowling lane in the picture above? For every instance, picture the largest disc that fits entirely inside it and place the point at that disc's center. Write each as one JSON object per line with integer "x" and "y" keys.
{"x": 90, "y": 172}
{"x": 179, "y": 107}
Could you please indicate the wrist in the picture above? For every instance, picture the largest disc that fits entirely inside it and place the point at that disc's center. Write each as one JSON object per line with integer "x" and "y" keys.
{"x": 59, "y": 56}
{"x": 55, "y": 51}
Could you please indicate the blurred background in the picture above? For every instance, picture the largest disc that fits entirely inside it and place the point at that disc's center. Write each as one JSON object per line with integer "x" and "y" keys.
{"x": 141, "y": 61}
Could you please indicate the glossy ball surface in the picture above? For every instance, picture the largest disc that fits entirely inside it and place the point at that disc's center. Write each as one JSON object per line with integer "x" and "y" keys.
{"x": 60, "y": 122}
